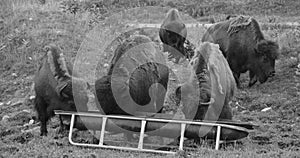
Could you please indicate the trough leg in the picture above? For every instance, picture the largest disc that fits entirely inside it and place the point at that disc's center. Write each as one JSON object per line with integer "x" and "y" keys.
{"x": 141, "y": 141}
{"x": 104, "y": 120}
{"x": 182, "y": 136}
{"x": 218, "y": 138}
{"x": 71, "y": 129}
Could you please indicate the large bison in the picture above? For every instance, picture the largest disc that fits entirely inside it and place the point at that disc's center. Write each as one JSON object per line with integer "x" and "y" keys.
{"x": 173, "y": 34}
{"x": 245, "y": 48}
{"x": 206, "y": 95}
{"x": 54, "y": 89}
{"x": 136, "y": 81}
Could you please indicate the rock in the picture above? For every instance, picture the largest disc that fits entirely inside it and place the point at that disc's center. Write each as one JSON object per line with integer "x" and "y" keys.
{"x": 27, "y": 111}
{"x": 14, "y": 74}
{"x": 266, "y": 109}
{"x": 105, "y": 65}
{"x": 245, "y": 112}
{"x": 32, "y": 97}
{"x": 1, "y": 103}
{"x": 31, "y": 122}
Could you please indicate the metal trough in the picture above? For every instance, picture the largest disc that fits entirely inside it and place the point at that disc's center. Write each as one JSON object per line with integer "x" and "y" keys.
{"x": 161, "y": 126}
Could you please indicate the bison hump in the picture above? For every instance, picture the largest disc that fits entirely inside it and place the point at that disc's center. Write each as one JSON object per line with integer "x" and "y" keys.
{"x": 239, "y": 23}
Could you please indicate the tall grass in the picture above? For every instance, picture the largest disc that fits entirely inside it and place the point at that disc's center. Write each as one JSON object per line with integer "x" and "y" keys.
{"x": 23, "y": 5}
{"x": 29, "y": 27}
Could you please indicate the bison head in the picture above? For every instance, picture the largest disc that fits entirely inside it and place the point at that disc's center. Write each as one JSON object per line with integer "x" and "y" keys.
{"x": 263, "y": 63}
{"x": 173, "y": 36}
{"x": 173, "y": 33}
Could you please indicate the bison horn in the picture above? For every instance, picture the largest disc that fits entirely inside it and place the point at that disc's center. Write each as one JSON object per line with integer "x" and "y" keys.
{"x": 211, "y": 101}
{"x": 61, "y": 89}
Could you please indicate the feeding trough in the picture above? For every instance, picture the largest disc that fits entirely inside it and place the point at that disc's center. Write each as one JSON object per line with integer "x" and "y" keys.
{"x": 155, "y": 126}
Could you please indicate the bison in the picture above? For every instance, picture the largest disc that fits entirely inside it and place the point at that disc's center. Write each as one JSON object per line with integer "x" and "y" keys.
{"x": 136, "y": 81}
{"x": 173, "y": 34}
{"x": 245, "y": 48}
{"x": 54, "y": 89}
{"x": 211, "y": 86}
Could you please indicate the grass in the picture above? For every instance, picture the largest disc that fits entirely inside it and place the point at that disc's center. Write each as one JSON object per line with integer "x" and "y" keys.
{"x": 27, "y": 26}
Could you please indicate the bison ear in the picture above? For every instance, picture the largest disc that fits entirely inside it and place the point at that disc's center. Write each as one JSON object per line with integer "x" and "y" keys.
{"x": 64, "y": 90}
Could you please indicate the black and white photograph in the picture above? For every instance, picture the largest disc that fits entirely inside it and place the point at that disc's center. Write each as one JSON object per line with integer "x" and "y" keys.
{"x": 150, "y": 78}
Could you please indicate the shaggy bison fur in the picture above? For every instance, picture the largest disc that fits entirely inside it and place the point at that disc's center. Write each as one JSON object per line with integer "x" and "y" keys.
{"x": 54, "y": 89}
{"x": 136, "y": 81}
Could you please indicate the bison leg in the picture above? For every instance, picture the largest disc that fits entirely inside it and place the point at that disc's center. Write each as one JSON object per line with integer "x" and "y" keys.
{"x": 62, "y": 127}
{"x": 237, "y": 79}
{"x": 253, "y": 78}
{"x": 41, "y": 108}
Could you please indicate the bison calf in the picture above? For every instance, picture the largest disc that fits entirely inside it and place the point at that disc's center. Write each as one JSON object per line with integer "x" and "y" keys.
{"x": 54, "y": 89}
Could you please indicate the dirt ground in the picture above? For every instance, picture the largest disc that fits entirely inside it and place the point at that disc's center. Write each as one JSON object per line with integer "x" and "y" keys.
{"x": 25, "y": 27}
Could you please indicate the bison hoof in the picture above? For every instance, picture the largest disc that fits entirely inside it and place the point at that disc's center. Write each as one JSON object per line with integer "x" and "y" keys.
{"x": 251, "y": 84}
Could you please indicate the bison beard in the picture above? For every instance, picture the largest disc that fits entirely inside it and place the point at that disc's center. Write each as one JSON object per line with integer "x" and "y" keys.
{"x": 136, "y": 80}
{"x": 173, "y": 34}
{"x": 53, "y": 87}
{"x": 211, "y": 86}
{"x": 245, "y": 48}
